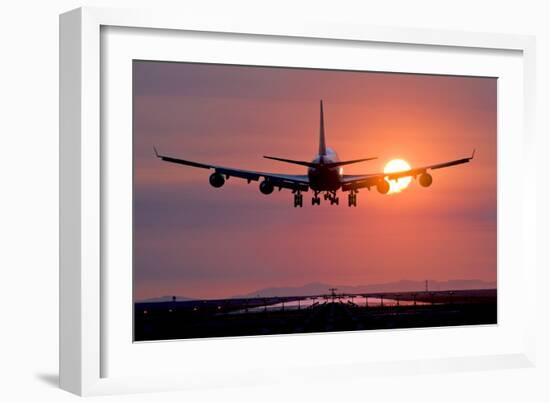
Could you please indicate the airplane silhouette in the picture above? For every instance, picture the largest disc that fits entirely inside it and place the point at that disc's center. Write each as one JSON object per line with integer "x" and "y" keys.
{"x": 324, "y": 174}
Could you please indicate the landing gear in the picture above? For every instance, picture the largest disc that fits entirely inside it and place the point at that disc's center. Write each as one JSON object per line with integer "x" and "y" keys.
{"x": 298, "y": 199}
{"x": 316, "y": 200}
{"x": 332, "y": 197}
{"x": 352, "y": 198}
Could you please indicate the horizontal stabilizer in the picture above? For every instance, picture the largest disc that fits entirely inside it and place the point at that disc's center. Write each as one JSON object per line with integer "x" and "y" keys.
{"x": 340, "y": 163}
{"x": 304, "y": 163}
{"x": 318, "y": 164}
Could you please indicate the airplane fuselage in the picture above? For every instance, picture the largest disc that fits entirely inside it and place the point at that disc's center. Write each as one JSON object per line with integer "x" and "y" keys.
{"x": 324, "y": 178}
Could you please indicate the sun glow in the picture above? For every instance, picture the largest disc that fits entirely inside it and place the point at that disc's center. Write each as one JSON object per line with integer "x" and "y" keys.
{"x": 397, "y": 165}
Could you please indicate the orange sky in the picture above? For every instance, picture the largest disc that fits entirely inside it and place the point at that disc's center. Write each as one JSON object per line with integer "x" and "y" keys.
{"x": 196, "y": 241}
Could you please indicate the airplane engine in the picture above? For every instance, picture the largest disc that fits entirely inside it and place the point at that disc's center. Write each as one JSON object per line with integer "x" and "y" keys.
{"x": 425, "y": 180}
{"x": 217, "y": 180}
{"x": 383, "y": 186}
{"x": 266, "y": 187}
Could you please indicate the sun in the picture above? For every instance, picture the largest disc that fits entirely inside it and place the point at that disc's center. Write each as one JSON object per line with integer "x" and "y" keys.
{"x": 397, "y": 165}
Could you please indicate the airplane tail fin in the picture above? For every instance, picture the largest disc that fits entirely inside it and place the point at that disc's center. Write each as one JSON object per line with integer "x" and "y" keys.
{"x": 322, "y": 144}
{"x": 322, "y": 150}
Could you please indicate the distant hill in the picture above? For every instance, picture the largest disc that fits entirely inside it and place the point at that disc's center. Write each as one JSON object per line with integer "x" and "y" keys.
{"x": 167, "y": 298}
{"x": 323, "y": 288}
{"x": 403, "y": 285}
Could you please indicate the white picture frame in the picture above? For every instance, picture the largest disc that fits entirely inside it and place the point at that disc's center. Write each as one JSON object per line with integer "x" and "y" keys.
{"x": 86, "y": 301}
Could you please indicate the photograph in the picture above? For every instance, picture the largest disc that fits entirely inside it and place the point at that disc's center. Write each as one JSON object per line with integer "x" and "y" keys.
{"x": 275, "y": 200}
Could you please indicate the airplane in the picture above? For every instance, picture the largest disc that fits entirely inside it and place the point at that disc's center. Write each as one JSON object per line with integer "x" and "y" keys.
{"x": 324, "y": 174}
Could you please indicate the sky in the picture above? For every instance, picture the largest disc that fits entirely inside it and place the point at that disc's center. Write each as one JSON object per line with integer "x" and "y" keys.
{"x": 193, "y": 240}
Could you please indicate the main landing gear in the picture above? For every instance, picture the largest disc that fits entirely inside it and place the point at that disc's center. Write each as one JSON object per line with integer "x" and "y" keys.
{"x": 328, "y": 195}
{"x": 331, "y": 196}
{"x": 352, "y": 198}
{"x": 298, "y": 199}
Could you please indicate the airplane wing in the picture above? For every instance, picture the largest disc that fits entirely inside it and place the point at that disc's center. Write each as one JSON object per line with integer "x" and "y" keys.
{"x": 293, "y": 182}
{"x": 353, "y": 182}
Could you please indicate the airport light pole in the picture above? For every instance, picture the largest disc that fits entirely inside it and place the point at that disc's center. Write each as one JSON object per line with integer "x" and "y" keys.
{"x": 333, "y": 293}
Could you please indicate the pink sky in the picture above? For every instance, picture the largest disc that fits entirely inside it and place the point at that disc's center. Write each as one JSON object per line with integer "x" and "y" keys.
{"x": 196, "y": 241}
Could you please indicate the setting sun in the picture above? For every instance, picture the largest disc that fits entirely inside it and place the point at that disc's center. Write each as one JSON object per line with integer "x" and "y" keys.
{"x": 397, "y": 165}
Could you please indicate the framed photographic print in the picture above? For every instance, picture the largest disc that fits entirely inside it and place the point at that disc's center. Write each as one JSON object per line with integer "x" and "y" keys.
{"x": 245, "y": 197}
{"x": 230, "y": 263}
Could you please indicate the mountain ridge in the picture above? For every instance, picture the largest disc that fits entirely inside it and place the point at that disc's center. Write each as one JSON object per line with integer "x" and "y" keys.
{"x": 317, "y": 288}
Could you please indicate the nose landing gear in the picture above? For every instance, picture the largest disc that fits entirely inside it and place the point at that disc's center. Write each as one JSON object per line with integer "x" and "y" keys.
{"x": 316, "y": 200}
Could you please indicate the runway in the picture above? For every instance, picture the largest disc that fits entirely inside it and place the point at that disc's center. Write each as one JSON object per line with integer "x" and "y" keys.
{"x": 307, "y": 314}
